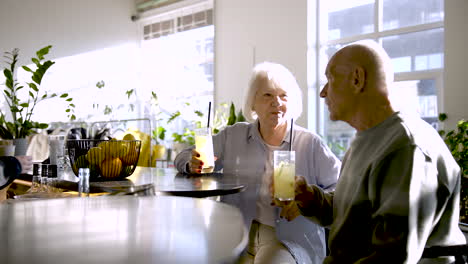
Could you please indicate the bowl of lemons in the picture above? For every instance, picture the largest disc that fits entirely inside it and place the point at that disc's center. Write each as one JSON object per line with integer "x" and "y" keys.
{"x": 106, "y": 159}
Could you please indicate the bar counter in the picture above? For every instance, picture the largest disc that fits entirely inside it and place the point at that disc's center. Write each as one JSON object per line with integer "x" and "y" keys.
{"x": 121, "y": 229}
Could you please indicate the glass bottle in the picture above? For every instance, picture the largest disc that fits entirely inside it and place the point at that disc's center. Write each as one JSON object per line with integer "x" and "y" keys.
{"x": 36, "y": 179}
{"x": 52, "y": 178}
{"x": 44, "y": 179}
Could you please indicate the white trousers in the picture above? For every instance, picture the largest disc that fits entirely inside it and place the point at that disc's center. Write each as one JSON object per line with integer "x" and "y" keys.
{"x": 264, "y": 247}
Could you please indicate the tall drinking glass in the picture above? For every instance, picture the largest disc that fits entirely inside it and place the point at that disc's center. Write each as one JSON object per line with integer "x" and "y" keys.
{"x": 284, "y": 164}
{"x": 56, "y": 151}
{"x": 204, "y": 146}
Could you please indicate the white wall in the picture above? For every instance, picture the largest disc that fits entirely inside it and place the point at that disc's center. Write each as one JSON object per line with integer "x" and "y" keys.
{"x": 71, "y": 26}
{"x": 455, "y": 98}
{"x": 249, "y": 32}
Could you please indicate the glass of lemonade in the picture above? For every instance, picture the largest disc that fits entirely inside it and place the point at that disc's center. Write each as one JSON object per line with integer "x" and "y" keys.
{"x": 284, "y": 164}
{"x": 204, "y": 146}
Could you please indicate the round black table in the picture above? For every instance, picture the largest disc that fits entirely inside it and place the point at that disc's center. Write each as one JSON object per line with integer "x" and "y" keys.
{"x": 121, "y": 229}
{"x": 165, "y": 181}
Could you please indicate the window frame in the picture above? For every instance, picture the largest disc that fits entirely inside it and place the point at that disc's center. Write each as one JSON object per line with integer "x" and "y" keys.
{"x": 316, "y": 58}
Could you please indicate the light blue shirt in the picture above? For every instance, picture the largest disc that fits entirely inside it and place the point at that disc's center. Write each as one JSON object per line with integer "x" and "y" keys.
{"x": 241, "y": 150}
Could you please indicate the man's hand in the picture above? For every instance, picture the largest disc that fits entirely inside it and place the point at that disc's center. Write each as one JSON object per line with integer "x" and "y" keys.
{"x": 303, "y": 196}
{"x": 304, "y": 193}
{"x": 26, "y": 163}
{"x": 289, "y": 209}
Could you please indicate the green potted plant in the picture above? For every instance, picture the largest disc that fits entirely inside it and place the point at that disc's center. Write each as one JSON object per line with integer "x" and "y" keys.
{"x": 457, "y": 142}
{"x": 223, "y": 119}
{"x": 187, "y": 137}
{"x": 159, "y": 133}
{"x": 18, "y": 125}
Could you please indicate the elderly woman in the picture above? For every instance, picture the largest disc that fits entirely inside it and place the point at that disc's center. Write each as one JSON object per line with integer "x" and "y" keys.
{"x": 273, "y": 99}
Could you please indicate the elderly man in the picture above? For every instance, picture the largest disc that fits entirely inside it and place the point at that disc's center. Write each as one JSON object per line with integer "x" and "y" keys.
{"x": 399, "y": 186}
{"x": 10, "y": 168}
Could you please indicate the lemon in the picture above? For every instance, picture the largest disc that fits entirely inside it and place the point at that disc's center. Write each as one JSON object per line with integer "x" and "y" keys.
{"x": 123, "y": 150}
{"x": 111, "y": 168}
{"x": 110, "y": 149}
{"x": 131, "y": 158}
{"x": 95, "y": 155}
{"x": 129, "y": 137}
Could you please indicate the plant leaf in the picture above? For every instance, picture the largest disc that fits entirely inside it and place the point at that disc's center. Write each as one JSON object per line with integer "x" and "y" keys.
{"x": 7, "y": 74}
{"x": 44, "y": 51}
{"x": 33, "y": 86}
{"x": 240, "y": 117}
{"x": 36, "y": 61}
{"x": 27, "y": 69}
{"x": 173, "y": 116}
{"x": 442, "y": 116}
{"x": 232, "y": 115}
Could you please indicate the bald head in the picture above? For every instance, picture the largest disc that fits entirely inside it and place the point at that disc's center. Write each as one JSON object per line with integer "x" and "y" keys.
{"x": 358, "y": 78}
{"x": 372, "y": 59}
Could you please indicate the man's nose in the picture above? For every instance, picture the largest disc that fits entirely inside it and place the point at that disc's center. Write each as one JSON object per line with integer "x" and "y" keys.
{"x": 323, "y": 93}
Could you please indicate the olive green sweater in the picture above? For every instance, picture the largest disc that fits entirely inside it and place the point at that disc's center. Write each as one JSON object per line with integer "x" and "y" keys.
{"x": 398, "y": 192}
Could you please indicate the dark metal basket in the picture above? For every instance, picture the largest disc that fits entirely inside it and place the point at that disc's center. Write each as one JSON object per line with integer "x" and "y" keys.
{"x": 106, "y": 159}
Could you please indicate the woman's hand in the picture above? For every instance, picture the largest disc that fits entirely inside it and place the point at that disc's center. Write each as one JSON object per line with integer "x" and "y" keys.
{"x": 289, "y": 209}
{"x": 195, "y": 164}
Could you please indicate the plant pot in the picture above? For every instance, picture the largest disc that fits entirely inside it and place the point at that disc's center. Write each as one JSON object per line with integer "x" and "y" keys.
{"x": 7, "y": 150}
{"x": 159, "y": 151}
{"x": 21, "y": 146}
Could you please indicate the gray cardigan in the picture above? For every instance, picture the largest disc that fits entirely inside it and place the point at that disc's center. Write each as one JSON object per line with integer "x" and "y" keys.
{"x": 241, "y": 150}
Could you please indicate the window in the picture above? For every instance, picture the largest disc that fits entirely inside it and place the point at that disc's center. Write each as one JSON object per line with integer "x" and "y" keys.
{"x": 411, "y": 32}
{"x": 177, "y": 61}
{"x": 78, "y": 75}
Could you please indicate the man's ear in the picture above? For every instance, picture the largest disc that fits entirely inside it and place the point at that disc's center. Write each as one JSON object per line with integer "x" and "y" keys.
{"x": 358, "y": 79}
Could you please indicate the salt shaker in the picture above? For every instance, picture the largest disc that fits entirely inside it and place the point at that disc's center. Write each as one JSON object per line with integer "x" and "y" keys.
{"x": 83, "y": 183}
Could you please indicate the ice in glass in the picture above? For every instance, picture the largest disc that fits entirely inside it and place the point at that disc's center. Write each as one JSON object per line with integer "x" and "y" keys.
{"x": 284, "y": 173}
{"x": 204, "y": 146}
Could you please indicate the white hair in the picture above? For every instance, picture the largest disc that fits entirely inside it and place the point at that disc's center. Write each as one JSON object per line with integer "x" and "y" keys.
{"x": 280, "y": 77}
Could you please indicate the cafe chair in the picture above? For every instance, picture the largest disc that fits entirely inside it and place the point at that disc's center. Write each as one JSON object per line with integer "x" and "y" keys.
{"x": 71, "y": 129}
{"x": 460, "y": 252}
{"x": 116, "y": 128}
